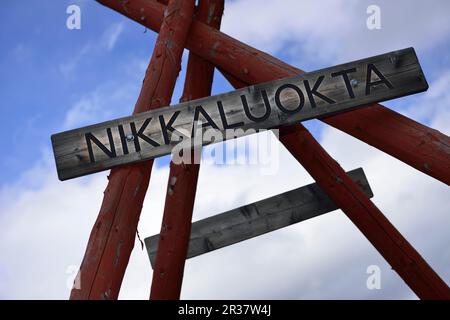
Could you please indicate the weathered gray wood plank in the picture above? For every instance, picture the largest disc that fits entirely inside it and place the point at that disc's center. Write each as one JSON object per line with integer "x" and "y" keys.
{"x": 259, "y": 218}
{"x": 286, "y": 101}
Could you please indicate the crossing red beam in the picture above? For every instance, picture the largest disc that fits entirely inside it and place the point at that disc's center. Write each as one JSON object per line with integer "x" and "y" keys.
{"x": 421, "y": 147}
{"x": 113, "y": 235}
{"x": 344, "y": 192}
{"x": 388, "y": 241}
{"x": 182, "y": 185}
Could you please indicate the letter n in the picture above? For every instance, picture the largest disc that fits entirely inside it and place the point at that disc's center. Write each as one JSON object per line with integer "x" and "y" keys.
{"x": 91, "y": 138}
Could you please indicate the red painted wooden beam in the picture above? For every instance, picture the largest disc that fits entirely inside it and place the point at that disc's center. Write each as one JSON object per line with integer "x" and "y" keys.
{"x": 376, "y": 227}
{"x": 113, "y": 235}
{"x": 346, "y": 194}
{"x": 389, "y": 242}
{"x": 182, "y": 185}
{"x": 421, "y": 147}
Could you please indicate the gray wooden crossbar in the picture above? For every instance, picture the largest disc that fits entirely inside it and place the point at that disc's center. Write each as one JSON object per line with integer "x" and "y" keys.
{"x": 259, "y": 218}
{"x": 269, "y": 105}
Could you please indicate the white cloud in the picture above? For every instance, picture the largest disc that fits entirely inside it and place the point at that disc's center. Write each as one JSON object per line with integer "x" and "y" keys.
{"x": 44, "y": 229}
{"x": 108, "y": 41}
{"x": 114, "y": 98}
{"x": 314, "y": 32}
{"x": 327, "y": 257}
{"x": 435, "y": 101}
{"x": 68, "y": 67}
{"x": 106, "y": 102}
{"x": 109, "y": 100}
{"x": 111, "y": 35}
{"x": 21, "y": 52}
{"x": 45, "y": 223}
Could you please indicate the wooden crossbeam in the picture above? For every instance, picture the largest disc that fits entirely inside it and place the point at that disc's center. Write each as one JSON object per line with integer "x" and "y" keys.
{"x": 328, "y": 174}
{"x": 287, "y": 101}
{"x": 258, "y": 218}
{"x": 389, "y": 242}
{"x": 421, "y": 147}
{"x": 113, "y": 235}
{"x": 182, "y": 183}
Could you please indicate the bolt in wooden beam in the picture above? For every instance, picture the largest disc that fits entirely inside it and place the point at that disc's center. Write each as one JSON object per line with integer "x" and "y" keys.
{"x": 113, "y": 235}
{"x": 182, "y": 185}
{"x": 421, "y": 147}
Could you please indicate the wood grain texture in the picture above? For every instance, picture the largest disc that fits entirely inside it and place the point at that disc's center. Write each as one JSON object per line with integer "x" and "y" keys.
{"x": 417, "y": 145}
{"x": 258, "y": 218}
{"x": 264, "y": 106}
{"x": 254, "y": 67}
{"x": 367, "y": 217}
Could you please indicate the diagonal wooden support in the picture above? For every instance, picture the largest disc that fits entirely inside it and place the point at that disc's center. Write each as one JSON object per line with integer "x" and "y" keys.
{"x": 421, "y": 147}
{"x": 176, "y": 224}
{"x": 402, "y": 257}
{"x": 277, "y": 103}
{"x": 346, "y": 194}
{"x": 113, "y": 235}
{"x": 380, "y": 232}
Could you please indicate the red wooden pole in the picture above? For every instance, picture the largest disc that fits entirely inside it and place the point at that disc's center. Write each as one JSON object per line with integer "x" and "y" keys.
{"x": 112, "y": 238}
{"x": 389, "y": 242}
{"x": 421, "y": 147}
{"x": 402, "y": 257}
{"x": 176, "y": 224}
{"x": 370, "y": 220}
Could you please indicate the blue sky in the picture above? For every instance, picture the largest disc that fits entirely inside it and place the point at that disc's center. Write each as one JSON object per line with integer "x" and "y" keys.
{"x": 46, "y": 68}
{"x": 54, "y": 79}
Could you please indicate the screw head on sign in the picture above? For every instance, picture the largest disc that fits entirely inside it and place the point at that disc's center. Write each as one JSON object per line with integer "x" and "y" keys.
{"x": 130, "y": 137}
{"x": 354, "y": 83}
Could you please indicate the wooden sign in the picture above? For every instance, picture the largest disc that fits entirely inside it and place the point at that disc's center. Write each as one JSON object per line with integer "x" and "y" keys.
{"x": 259, "y": 218}
{"x": 269, "y": 105}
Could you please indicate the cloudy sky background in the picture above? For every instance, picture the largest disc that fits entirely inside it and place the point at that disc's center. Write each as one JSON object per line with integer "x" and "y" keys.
{"x": 55, "y": 79}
